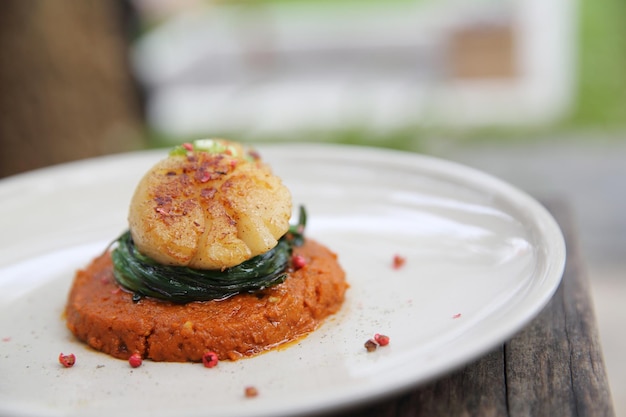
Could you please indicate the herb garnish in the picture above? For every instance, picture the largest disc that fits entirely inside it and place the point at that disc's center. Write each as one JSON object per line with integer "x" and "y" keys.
{"x": 145, "y": 277}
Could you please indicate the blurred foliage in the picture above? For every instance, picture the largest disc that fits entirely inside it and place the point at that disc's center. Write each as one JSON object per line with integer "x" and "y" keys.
{"x": 600, "y": 101}
{"x": 428, "y": 140}
{"x": 602, "y": 64}
{"x": 334, "y": 3}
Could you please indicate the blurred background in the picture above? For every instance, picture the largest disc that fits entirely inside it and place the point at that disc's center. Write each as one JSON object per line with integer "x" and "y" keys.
{"x": 532, "y": 91}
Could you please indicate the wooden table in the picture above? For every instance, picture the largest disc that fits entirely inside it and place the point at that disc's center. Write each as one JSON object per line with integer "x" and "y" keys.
{"x": 553, "y": 367}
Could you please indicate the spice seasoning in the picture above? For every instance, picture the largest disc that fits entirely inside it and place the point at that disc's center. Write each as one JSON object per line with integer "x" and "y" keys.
{"x": 370, "y": 345}
{"x": 209, "y": 359}
{"x": 135, "y": 360}
{"x": 298, "y": 262}
{"x": 381, "y": 339}
{"x": 378, "y": 340}
{"x": 67, "y": 360}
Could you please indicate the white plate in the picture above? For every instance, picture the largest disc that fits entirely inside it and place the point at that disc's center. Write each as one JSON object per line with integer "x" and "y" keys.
{"x": 482, "y": 258}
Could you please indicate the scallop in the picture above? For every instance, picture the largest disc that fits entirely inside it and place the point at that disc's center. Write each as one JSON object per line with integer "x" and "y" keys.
{"x": 212, "y": 206}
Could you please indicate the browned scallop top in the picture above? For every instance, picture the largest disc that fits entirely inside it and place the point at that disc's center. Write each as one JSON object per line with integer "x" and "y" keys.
{"x": 208, "y": 211}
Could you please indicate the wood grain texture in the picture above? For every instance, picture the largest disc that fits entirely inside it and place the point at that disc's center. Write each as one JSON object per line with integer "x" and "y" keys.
{"x": 66, "y": 89}
{"x": 553, "y": 367}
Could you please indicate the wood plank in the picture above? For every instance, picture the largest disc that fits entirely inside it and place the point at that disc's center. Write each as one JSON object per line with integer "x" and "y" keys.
{"x": 553, "y": 367}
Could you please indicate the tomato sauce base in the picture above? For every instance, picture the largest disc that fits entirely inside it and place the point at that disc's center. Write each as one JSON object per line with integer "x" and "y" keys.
{"x": 102, "y": 314}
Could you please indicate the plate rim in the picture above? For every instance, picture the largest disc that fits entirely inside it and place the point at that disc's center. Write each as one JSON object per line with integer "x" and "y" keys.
{"x": 540, "y": 213}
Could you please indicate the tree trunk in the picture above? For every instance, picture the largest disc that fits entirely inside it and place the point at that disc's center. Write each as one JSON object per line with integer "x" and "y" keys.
{"x": 66, "y": 89}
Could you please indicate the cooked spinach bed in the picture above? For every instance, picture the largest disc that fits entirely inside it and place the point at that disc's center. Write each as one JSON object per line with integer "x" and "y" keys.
{"x": 145, "y": 277}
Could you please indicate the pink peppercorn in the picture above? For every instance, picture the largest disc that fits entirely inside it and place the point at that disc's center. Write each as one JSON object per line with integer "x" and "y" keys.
{"x": 188, "y": 146}
{"x": 67, "y": 360}
{"x": 135, "y": 360}
{"x": 209, "y": 359}
{"x": 381, "y": 339}
{"x": 298, "y": 262}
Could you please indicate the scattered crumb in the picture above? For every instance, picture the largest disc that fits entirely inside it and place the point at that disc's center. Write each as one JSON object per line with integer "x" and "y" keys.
{"x": 398, "y": 261}
{"x": 251, "y": 392}
{"x": 456, "y": 316}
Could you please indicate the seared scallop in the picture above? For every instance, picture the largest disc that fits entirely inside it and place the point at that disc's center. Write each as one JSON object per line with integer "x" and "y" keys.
{"x": 213, "y": 205}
